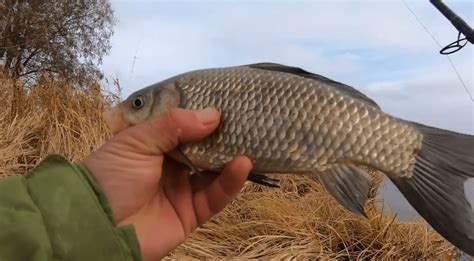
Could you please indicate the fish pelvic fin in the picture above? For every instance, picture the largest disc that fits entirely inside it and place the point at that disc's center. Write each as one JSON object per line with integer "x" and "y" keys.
{"x": 261, "y": 179}
{"x": 436, "y": 188}
{"x": 348, "y": 184}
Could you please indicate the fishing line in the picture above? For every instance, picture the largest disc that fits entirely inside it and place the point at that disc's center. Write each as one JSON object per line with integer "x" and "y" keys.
{"x": 444, "y": 49}
{"x": 135, "y": 58}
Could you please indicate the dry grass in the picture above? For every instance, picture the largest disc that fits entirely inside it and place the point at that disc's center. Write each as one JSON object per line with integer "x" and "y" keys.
{"x": 300, "y": 220}
{"x": 50, "y": 117}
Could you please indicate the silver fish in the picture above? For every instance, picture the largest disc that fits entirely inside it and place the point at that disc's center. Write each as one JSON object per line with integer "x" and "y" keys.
{"x": 293, "y": 121}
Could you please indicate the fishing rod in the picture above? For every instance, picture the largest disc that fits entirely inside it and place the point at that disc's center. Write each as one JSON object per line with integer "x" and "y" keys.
{"x": 462, "y": 27}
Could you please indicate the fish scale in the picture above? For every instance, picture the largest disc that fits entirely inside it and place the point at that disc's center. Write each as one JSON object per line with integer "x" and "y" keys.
{"x": 291, "y": 113}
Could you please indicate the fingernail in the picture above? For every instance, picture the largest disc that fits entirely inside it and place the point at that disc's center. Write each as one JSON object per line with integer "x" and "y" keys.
{"x": 248, "y": 156}
{"x": 207, "y": 116}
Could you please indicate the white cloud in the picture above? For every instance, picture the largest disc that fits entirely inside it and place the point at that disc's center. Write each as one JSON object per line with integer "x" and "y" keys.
{"x": 430, "y": 95}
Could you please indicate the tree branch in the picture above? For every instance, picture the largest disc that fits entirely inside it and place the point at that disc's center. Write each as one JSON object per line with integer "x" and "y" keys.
{"x": 37, "y": 71}
{"x": 32, "y": 54}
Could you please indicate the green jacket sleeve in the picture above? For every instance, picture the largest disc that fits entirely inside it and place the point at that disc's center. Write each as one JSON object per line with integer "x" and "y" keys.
{"x": 57, "y": 212}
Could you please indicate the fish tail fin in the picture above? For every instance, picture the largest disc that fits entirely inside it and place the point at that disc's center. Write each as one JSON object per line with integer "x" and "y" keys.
{"x": 436, "y": 188}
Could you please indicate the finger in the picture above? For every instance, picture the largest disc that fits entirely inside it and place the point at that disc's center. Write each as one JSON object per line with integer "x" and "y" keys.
{"x": 175, "y": 126}
{"x": 221, "y": 191}
{"x": 178, "y": 190}
{"x": 203, "y": 180}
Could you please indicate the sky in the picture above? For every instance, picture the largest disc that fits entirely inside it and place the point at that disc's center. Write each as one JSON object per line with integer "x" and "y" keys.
{"x": 377, "y": 46}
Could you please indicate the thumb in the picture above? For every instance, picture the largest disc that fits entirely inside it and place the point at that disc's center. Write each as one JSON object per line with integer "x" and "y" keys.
{"x": 164, "y": 133}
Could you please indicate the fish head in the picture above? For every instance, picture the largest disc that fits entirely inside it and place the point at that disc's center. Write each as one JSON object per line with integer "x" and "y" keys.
{"x": 143, "y": 105}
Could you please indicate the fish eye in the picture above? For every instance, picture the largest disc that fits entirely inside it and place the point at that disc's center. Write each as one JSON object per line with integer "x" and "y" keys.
{"x": 138, "y": 102}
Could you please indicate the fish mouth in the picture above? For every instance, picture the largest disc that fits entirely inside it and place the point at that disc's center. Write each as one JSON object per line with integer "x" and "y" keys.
{"x": 115, "y": 120}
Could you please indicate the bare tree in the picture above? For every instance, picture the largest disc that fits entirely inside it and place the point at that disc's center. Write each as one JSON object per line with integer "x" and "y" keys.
{"x": 59, "y": 38}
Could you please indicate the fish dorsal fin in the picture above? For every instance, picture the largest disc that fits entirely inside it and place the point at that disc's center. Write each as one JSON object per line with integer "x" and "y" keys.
{"x": 349, "y": 185}
{"x": 300, "y": 72}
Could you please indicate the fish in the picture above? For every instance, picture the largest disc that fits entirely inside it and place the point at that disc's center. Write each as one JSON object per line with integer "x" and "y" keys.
{"x": 289, "y": 120}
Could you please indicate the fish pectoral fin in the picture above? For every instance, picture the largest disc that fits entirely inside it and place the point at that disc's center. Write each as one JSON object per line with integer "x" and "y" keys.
{"x": 186, "y": 161}
{"x": 263, "y": 180}
{"x": 253, "y": 177}
{"x": 349, "y": 185}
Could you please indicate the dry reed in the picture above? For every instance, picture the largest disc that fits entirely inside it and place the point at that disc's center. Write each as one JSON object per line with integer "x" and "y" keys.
{"x": 300, "y": 220}
{"x": 48, "y": 118}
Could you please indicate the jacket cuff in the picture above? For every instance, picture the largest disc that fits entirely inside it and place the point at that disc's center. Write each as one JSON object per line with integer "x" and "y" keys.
{"x": 76, "y": 214}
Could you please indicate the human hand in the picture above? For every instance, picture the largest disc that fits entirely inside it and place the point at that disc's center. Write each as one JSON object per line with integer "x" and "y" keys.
{"x": 156, "y": 194}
